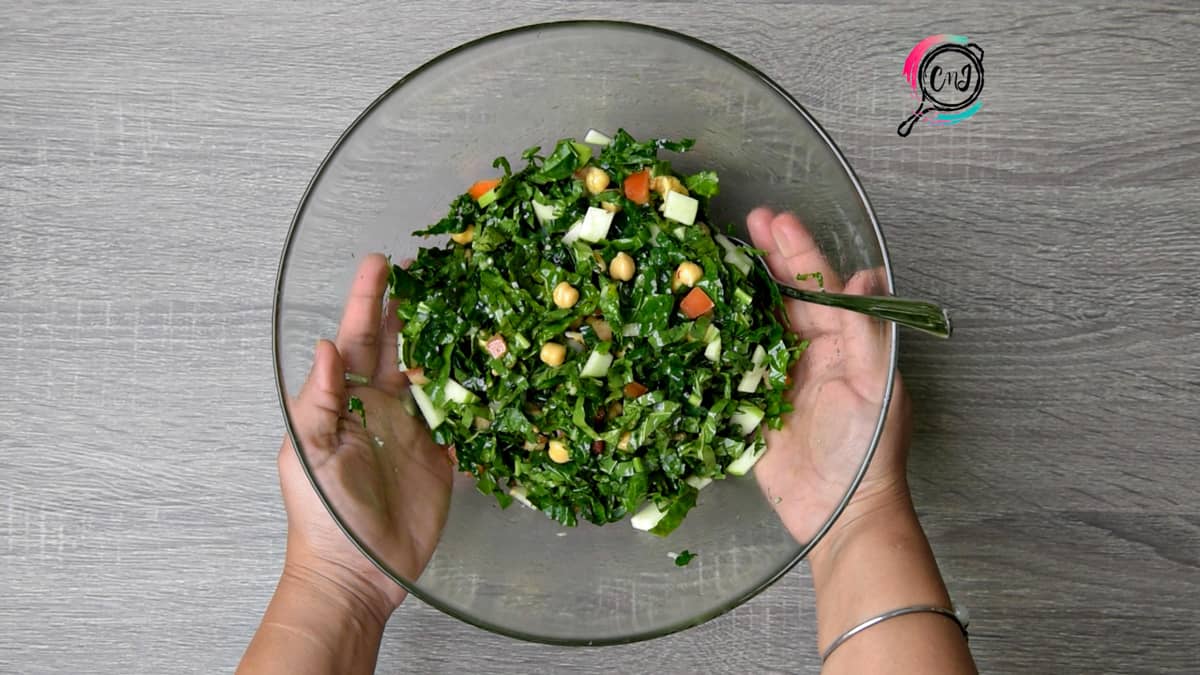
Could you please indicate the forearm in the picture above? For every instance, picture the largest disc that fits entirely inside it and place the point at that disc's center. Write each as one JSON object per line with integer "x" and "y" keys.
{"x": 314, "y": 626}
{"x": 875, "y": 560}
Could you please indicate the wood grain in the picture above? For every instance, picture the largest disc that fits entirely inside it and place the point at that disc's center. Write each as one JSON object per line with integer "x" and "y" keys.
{"x": 150, "y": 160}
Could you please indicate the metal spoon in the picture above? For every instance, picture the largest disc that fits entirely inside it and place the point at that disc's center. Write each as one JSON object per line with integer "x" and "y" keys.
{"x": 919, "y": 314}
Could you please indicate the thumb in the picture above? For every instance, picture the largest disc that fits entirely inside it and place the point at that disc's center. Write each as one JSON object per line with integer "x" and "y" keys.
{"x": 322, "y": 399}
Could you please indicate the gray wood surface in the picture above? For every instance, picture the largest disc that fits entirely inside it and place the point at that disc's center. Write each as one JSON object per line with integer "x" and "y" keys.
{"x": 151, "y": 156}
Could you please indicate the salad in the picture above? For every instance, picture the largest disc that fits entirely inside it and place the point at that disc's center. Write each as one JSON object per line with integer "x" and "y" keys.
{"x": 587, "y": 342}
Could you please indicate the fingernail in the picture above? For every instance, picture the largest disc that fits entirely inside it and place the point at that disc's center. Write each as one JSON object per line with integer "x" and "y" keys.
{"x": 789, "y": 237}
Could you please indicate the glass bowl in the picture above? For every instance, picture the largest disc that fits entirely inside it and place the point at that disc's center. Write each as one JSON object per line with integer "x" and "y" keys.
{"x": 396, "y": 169}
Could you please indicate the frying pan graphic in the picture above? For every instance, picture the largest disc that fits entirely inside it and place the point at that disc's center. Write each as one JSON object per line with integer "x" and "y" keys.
{"x": 956, "y": 90}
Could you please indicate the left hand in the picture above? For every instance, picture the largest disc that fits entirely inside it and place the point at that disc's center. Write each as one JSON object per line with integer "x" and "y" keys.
{"x": 389, "y": 482}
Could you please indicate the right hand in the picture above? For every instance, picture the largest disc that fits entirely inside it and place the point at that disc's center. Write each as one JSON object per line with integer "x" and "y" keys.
{"x": 836, "y": 394}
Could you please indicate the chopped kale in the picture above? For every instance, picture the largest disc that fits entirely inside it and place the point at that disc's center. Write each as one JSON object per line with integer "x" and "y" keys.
{"x": 638, "y": 398}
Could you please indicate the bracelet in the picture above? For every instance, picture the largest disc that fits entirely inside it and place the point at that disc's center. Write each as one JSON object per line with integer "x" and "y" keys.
{"x": 958, "y": 616}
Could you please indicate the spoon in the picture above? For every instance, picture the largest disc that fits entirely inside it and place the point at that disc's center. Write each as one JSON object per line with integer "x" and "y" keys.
{"x": 919, "y": 314}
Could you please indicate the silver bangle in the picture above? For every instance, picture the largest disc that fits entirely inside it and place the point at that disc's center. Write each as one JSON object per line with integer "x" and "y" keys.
{"x": 959, "y": 616}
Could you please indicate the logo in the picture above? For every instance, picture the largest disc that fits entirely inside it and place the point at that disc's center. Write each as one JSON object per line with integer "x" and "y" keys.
{"x": 946, "y": 73}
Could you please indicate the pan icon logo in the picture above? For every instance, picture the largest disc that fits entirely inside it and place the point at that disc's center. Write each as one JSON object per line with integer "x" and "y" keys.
{"x": 945, "y": 72}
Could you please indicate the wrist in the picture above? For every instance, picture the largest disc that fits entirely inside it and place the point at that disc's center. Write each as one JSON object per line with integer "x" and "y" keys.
{"x": 874, "y": 510}
{"x": 344, "y": 592}
{"x": 313, "y": 624}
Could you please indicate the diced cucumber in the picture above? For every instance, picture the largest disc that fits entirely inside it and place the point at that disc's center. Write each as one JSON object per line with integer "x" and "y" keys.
{"x": 597, "y": 365}
{"x": 713, "y": 351}
{"x": 434, "y": 415}
{"x": 596, "y": 138}
{"x": 695, "y": 398}
{"x": 544, "y": 212}
{"x": 585, "y": 153}
{"x": 734, "y": 255}
{"x": 519, "y": 343}
{"x": 572, "y": 233}
{"x": 711, "y": 333}
{"x": 458, "y": 393}
{"x": 519, "y": 493}
{"x": 759, "y": 356}
{"x": 750, "y": 381}
{"x": 724, "y": 242}
{"x": 741, "y": 298}
{"x": 487, "y": 198}
{"x": 631, "y": 330}
{"x": 747, "y": 418}
{"x": 746, "y": 461}
{"x": 740, "y": 260}
{"x": 697, "y": 482}
{"x": 680, "y": 208}
{"x": 647, "y": 518}
{"x": 595, "y": 225}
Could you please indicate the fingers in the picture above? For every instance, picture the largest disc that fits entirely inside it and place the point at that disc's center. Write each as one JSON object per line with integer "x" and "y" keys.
{"x": 792, "y": 250}
{"x": 388, "y": 376}
{"x": 865, "y": 338}
{"x": 322, "y": 400}
{"x": 358, "y": 334}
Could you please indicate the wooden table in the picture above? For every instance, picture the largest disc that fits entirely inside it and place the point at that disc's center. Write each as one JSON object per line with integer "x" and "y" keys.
{"x": 150, "y": 161}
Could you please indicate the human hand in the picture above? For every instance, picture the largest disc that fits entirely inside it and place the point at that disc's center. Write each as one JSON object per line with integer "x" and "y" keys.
{"x": 389, "y": 482}
{"x": 837, "y": 391}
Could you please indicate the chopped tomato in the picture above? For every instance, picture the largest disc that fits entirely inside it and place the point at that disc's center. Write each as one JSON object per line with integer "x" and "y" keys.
{"x": 481, "y": 187}
{"x": 637, "y": 186}
{"x": 635, "y": 389}
{"x": 696, "y": 304}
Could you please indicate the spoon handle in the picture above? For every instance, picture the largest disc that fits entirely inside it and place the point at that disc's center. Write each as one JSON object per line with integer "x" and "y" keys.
{"x": 918, "y": 314}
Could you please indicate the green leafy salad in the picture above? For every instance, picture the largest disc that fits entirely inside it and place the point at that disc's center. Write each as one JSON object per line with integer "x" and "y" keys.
{"x": 587, "y": 342}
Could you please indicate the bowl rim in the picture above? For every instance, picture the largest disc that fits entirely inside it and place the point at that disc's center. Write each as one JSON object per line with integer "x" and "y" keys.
{"x": 412, "y": 587}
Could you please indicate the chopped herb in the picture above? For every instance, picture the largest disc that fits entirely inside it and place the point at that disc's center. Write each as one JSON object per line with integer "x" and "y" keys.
{"x": 647, "y": 401}
{"x": 356, "y": 406}
{"x": 813, "y": 275}
{"x": 703, "y": 184}
{"x": 685, "y": 556}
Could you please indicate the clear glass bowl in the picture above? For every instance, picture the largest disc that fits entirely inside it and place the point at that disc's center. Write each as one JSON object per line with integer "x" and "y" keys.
{"x": 395, "y": 170}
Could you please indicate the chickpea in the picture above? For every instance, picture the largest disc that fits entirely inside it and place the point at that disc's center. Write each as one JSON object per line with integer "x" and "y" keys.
{"x": 622, "y": 267}
{"x": 465, "y": 237}
{"x": 609, "y": 207}
{"x": 559, "y": 453}
{"x": 565, "y": 295}
{"x": 664, "y": 184}
{"x": 687, "y": 274}
{"x": 595, "y": 179}
{"x": 553, "y": 354}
